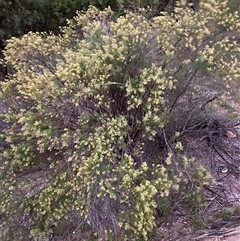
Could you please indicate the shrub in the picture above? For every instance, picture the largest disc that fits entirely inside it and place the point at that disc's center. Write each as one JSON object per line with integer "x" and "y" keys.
{"x": 84, "y": 106}
{"x": 21, "y": 16}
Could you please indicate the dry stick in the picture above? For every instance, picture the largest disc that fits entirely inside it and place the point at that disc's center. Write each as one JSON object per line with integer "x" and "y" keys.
{"x": 217, "y": 37}
{"x": 175, "y": 205}
{"x": 166, "y": 141}
{"x": 209, "y": 189}
{"x": 184, "y": 90}
{"x": 220, "y": 155}
{"x": 212, "y": 191}
{"x": 212, "y": 199}
{"x": 219, "y": 179}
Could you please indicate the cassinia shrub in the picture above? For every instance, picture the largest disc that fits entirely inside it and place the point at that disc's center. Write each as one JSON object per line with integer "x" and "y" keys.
{"x": 83, "y": 105}
{"x": 21, "y": 16}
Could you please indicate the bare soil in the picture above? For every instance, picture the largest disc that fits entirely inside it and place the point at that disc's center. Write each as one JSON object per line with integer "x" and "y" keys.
{"x": 219, "y": 219}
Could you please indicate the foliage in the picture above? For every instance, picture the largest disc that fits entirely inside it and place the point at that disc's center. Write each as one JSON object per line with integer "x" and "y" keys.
{"x": 199, "y": 176}
{"x": 83, "y": 107}
{"x": 21, "y": 16}
{"x": 17, "y": 17}
{"x": 197, "y": 222}
{"x": 228, "y": 213}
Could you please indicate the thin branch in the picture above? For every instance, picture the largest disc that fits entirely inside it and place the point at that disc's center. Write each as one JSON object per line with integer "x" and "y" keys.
{"x": 166, "y": 141}
{"x": 184, "y": 90}
{"x": 211, "y": 201}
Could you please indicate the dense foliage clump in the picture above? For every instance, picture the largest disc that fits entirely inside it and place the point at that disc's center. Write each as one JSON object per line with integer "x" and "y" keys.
{"x": 17, "y": 17}
{"x": 83, "y": 108}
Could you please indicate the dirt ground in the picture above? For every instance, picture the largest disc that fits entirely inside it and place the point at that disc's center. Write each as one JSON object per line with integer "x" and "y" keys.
{"x": 219, "y": 219}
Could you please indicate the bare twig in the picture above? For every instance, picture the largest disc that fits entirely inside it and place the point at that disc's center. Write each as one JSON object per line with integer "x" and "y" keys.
{"x": 184, "y": 90}
{"x": 212, "y": 199}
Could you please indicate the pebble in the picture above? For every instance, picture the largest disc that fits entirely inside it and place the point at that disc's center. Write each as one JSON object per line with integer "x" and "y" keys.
{"x": 223, "y": 169}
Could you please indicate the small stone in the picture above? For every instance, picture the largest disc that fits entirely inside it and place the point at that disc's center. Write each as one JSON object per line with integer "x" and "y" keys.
{"x": 223, "y": 169}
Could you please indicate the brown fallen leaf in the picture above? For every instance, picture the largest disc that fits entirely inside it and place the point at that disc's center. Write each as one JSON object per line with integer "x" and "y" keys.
{"x": 230, "y": 134}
